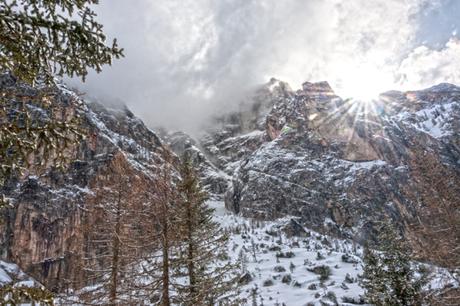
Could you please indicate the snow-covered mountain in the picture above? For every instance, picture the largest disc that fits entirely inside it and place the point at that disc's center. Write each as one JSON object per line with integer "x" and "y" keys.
{"x": 339, "y": 165}
{"x": 298, "y": 177}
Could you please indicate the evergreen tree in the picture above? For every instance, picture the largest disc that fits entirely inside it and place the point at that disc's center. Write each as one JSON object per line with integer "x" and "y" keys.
{"x": 17, "y": 295}
{"x": 387, "y": 277}
{"x": 202, "y": 253}
{"x": 42, "y": 38}
{"x": 373, "y": 277}
{"x": 39, "y": 39}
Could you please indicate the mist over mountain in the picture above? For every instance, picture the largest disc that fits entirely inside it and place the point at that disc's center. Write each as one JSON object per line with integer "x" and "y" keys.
{"x": 187, "y": 60}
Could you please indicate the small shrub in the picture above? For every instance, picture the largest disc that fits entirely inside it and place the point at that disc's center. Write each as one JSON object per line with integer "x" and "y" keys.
{"x": 288, "y": 254}
{"x": 287, "y": 279}
{"x": 274, "y": 248}
{"x": 323, "y": 271}
{"x": 297, "y": 284}
{"x": 267, "y": 283}
{"x": 245, "y": 279}
{"x": 326, "y": 242}
{"x": 330, "y": 295}
{"x": 349, "y": 279}
{"x": 291, "y": 267}
{"x": 353, "y": 300}
{"x": 349, "y": 259}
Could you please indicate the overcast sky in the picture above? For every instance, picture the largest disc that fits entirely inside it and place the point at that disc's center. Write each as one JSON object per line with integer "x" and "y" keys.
{"x": 187, "y": 58}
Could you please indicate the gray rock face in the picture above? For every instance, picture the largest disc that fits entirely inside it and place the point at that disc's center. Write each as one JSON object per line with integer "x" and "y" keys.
{"x": 341, "y": 165}
{"x": 232, "y": 139}
{"x": 237, "y": 135}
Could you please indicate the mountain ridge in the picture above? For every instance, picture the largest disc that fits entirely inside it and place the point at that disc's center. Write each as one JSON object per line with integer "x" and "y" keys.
{"x": 340, "y": 160}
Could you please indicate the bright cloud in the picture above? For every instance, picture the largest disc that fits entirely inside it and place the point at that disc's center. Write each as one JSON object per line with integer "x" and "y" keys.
{"x": 425, "y": 67}
{"x": 186, "y": 59}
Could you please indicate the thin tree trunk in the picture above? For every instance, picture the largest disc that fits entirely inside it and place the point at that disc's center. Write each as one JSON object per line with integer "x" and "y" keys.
{"x": 165, "y": 242}
{"x": 115, "y": 255}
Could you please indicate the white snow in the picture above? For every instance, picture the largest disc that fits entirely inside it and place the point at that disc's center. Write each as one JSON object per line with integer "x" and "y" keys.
{"x": 366, "y": 164}
{"x": 4, "y": 277}
{"x": 435, "y": 120}
{"x": 247, "y": 233}
{"x": 255, "y": 133}
{"x": 269, "y": 240}
{"x": 10, "y": 272}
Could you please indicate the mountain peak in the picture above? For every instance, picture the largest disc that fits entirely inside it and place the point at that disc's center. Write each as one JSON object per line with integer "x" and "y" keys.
{"x": 443, "y": 87}
{"x": 318, "y": 88}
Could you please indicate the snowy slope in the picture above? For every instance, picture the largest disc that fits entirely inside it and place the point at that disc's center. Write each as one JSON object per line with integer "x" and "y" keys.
{"x": 282, "y": 268}
{"x": 286, "y": 270}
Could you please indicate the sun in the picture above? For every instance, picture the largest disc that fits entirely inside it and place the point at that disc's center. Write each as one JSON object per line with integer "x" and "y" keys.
{"x": 364, "y": 83}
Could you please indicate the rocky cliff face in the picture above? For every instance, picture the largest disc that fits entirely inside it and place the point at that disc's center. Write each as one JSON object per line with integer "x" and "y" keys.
{"x": 340, "y": 165}
{"x": 44, "y": 233}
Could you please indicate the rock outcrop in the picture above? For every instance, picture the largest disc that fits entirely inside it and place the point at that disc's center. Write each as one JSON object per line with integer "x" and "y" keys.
{"x": 44, "y": 232}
